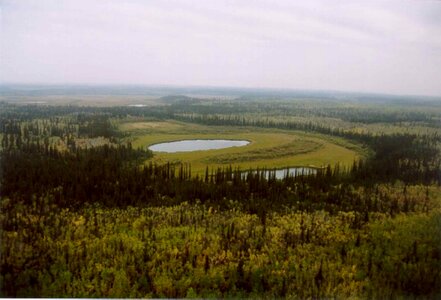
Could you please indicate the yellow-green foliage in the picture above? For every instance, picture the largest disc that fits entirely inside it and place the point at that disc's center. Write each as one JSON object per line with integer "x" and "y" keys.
{"x": 197, "y": 251}
{"x": 269, "y": 148}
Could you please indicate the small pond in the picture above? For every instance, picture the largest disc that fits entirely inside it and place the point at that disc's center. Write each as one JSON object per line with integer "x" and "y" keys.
{"x": 293, "y": 172}
{"x": 280, "y": 174}
{"x": 196, "y": 145}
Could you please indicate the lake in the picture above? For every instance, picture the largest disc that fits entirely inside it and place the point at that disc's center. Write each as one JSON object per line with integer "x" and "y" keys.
{"x": 196, "y": 145}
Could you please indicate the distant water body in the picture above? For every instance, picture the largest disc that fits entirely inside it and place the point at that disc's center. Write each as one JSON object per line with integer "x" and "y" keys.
{"x": 137, "y": 105}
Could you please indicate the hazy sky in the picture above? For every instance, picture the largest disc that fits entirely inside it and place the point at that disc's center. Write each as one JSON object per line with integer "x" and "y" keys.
{"x": 371, "y": 46}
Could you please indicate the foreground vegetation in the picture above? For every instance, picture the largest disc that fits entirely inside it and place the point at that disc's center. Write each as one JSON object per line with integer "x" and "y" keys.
{"x": 194, "y": 250}
{"x": 83, "y": 215}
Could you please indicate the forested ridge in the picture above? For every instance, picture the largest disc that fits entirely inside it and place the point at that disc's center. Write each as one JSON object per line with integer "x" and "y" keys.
{"x": 96, "y": 222}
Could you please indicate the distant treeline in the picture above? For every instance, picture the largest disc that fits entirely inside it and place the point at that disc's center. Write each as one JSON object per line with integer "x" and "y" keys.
{"x": 417, "y": 113}
{"x": 357, "y": 114}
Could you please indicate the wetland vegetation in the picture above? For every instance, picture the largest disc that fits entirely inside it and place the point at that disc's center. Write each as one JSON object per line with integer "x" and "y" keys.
{"x": 87, "y": 210}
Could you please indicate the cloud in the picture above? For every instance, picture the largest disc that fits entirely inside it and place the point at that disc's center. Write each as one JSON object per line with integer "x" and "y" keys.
{"x": 379, "y": 46}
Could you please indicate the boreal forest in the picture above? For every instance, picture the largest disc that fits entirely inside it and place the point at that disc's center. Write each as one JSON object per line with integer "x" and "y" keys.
{"x": 89, "y": 210}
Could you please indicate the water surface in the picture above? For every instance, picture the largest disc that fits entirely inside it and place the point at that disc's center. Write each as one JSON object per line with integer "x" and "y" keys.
{"x": 196, "y": 145}
{"x": 137, "y": 105}
{"x": 280, "y": 174}
{"x": 293, "y": 172}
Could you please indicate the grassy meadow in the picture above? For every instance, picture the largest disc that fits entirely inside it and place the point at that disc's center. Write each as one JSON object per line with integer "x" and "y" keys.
{"x": 268, "y": 148}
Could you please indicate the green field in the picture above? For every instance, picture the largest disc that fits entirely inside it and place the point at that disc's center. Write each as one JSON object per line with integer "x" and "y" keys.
{"x": 268, "y": 148}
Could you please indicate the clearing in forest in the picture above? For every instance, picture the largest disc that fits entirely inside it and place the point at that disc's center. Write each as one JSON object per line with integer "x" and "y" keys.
{"x": 268, "y": 148}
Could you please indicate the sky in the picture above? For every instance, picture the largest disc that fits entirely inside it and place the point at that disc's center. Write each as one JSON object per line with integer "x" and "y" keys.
{"x": 365, "y": 46}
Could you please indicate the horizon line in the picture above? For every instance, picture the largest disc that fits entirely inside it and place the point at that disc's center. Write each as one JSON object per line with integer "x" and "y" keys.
{"x": 227, "y": 87}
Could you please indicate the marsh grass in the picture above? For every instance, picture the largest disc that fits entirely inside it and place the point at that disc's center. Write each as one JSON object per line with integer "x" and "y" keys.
{"x": 268, "y": 148}
{"x": 294, "y": 148}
